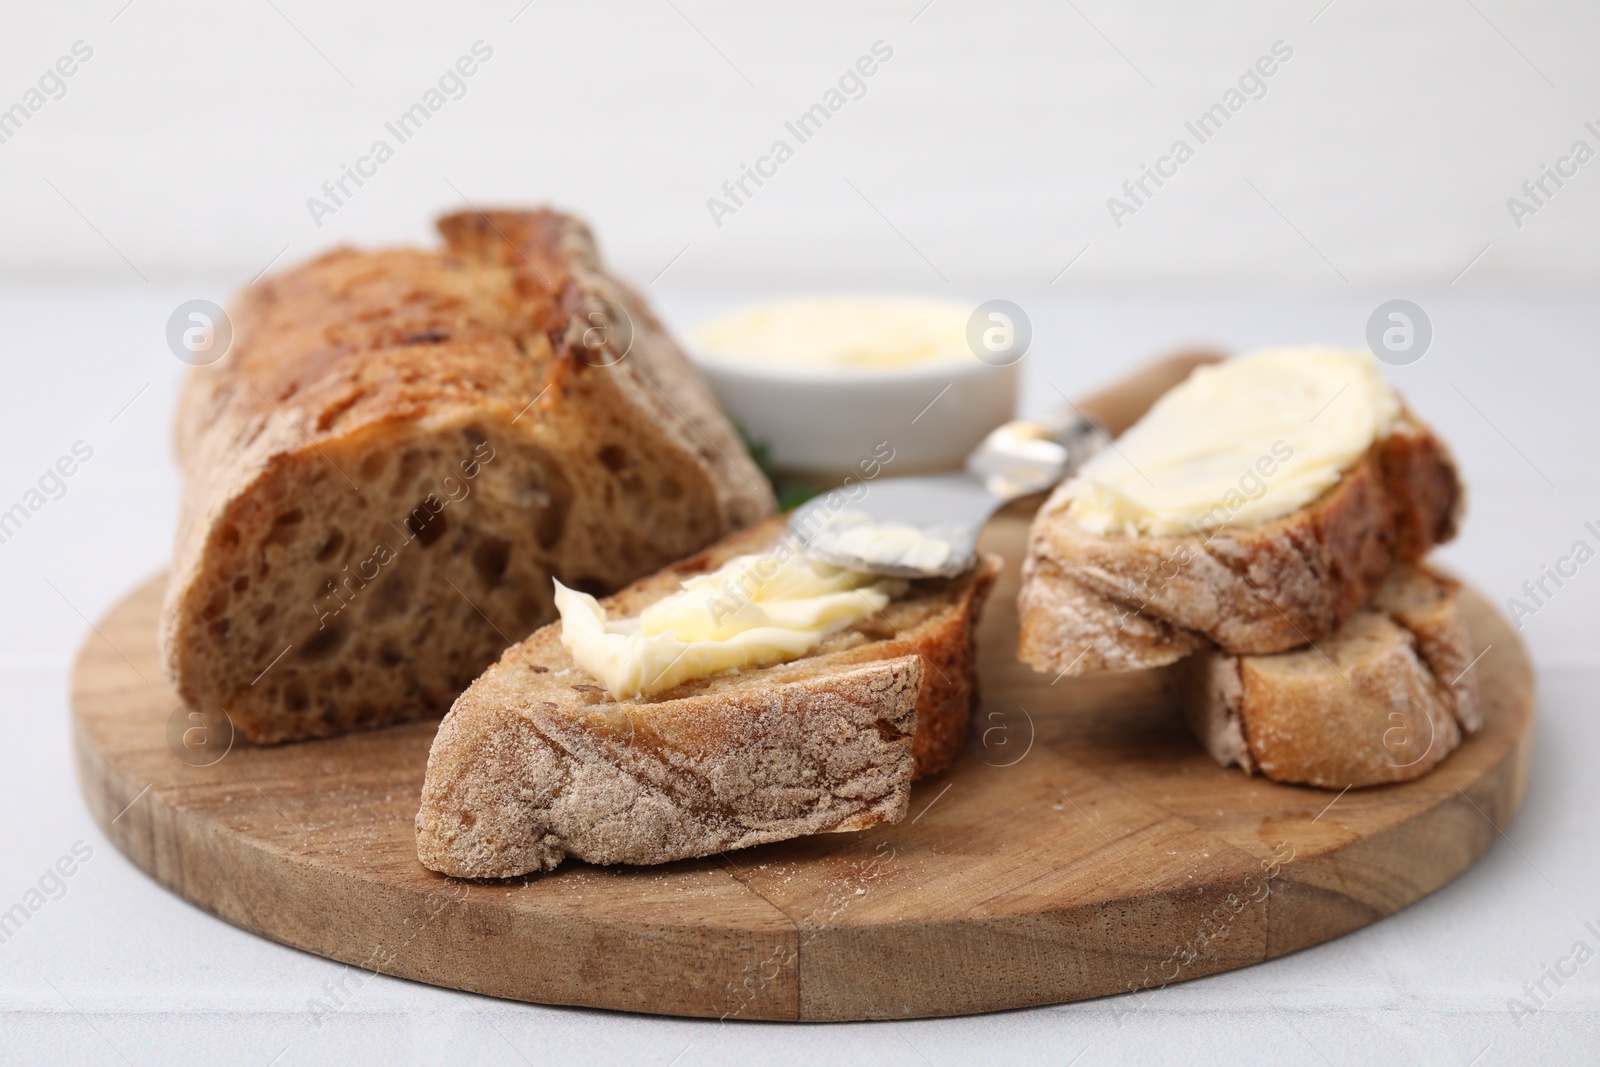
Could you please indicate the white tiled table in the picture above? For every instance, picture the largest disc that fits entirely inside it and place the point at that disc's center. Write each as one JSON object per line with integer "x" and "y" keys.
{"x": 119, "y": 969}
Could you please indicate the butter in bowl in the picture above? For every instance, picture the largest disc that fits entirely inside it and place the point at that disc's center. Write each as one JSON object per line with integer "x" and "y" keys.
{"x": 825, "y": 384}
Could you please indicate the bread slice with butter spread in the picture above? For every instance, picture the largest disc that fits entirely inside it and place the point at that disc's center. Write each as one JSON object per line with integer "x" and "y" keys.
{"x": 536, "y": 761}
{"x": 1255, "y": 508}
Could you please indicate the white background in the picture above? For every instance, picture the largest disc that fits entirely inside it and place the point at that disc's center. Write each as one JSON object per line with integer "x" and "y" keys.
{"x": 991, "y": 139}
{"x": 977, "y": 165}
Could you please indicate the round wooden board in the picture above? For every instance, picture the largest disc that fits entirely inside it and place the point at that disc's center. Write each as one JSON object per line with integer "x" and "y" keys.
{"x": 1083, "y": 845}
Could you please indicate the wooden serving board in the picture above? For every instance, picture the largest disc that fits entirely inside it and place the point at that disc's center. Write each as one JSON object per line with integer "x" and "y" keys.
{"x": 1083, "y": 845}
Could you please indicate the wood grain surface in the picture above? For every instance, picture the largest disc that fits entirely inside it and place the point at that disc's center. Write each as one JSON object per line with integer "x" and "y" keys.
{"x": 1083, "y": 845}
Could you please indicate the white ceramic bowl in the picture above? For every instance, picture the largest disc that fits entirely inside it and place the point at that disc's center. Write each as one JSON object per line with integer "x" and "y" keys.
{"x": 826, "y": 420}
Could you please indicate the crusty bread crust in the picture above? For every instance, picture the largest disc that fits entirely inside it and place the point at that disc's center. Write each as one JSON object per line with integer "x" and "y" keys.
{"x": 1090, "y": 603}
{"x": 403, "y": 447}
{"x": 1384, "y": 699}
{"x": 535, "y": 761}
{"x": 1426, "y": 603}
{"x": 510, "y": 791}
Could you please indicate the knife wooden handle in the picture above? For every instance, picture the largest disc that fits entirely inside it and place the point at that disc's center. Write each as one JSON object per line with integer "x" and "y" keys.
{"x": 1118, "y": 406}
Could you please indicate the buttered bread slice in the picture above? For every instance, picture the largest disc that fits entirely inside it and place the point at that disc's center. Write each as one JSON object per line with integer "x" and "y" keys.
{"x": 733, "y": 699}
{"x": 1255, "y": 507}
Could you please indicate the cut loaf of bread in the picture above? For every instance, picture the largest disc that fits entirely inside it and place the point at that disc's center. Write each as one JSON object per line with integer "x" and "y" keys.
{"x": 1383, "y": 699}
{"x": 399, "y": 452}
{"x": 1115, "y": 603}
{"x": 536, "y": 762}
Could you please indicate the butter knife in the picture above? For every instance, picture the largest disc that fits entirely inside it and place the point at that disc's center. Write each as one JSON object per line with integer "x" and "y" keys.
{"x": 927, "y": 526}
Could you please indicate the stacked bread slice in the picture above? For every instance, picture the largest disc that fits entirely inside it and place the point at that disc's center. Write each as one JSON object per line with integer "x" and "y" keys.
{"x": 1312, "y": 645}
{"x": 1382, "y": 699}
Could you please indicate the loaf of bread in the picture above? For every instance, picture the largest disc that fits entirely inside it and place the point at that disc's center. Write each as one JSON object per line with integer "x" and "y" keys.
{"x": 536, "y": 762}
{"x": 403, "y": 448}
{"x": 1383, "y": 699}
{"x": 1113, "y": 602}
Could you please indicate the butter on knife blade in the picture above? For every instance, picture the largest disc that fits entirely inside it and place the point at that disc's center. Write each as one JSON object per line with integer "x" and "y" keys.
{"x": 854, "y": 535}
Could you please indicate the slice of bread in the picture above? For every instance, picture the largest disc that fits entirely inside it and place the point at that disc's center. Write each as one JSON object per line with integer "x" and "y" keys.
{"x": 536, "y": 762}
{"x": 400, "y": 451}
{"x": 1383, "y": 699}
{"x": 1092, "y": 602}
